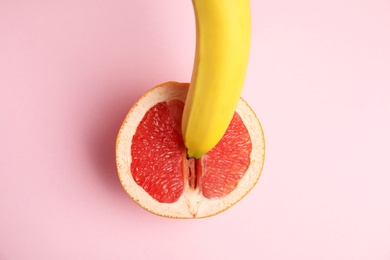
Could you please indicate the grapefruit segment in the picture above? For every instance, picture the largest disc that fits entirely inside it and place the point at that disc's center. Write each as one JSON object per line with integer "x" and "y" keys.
{"x": 227, "y": 162}
{"x": 155, "y": 172}
{"x": 156, "y": 150}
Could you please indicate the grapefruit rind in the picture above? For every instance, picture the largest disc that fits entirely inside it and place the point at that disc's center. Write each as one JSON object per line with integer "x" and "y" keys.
{"x": 191, "y": 204}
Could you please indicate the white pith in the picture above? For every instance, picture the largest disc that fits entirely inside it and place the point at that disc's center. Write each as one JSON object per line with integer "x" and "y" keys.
{"x": 191, "y": 204}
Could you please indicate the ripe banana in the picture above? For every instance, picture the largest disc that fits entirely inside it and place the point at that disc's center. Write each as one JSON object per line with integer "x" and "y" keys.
{"x": 223, "y": 32}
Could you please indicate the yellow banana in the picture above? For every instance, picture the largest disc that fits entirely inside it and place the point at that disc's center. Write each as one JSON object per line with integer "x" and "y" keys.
{"x": 223, "y": 31}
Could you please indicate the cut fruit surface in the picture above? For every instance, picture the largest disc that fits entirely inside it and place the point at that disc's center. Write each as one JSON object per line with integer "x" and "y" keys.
{"x": 157, "y": 152}
{"x": 155, "y": 171}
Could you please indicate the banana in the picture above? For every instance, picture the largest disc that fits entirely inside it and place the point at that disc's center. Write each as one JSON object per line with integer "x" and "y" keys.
{"x": 223, "y": 32}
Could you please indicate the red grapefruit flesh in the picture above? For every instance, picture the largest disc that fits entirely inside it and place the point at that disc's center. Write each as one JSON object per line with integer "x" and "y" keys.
{"x": 155, "y": 172}
{"x": 157, "y": 150}
{"x": 227, "y": 162}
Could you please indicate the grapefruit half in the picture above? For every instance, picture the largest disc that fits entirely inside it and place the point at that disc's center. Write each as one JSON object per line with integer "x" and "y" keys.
{"x": 154, "y": 169}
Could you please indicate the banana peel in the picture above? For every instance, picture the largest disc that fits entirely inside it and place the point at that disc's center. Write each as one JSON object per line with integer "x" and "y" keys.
{"x": 223, "y": 32}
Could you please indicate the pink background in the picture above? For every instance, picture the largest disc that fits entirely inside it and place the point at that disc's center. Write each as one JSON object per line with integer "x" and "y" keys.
{"x": 318, "y": 78}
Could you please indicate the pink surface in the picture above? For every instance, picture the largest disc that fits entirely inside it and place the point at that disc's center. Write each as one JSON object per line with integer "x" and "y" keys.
{"x": 318, "y": 79}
